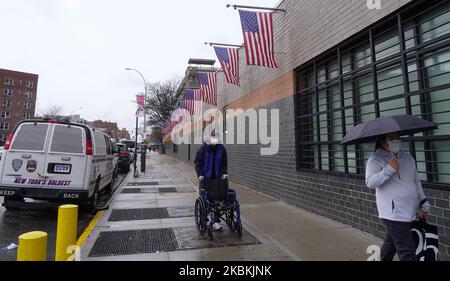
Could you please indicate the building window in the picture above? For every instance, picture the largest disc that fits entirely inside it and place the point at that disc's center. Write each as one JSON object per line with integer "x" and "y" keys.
{"x": 373, "y": 78}
{"x": 7, "y": 104}
{"x": 4, "y": 126}
{"x": 29, "y": 84}
{"x": 7, "y": 92}
{"x": 6, "y": 114}
{"x": 26, "y": 116}
{"x": 27, "y": 105}
{"x": 9, "y": 81}
{"x": 28, "y": 95}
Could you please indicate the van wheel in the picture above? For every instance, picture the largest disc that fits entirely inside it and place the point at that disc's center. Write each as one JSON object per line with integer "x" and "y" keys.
{"x": 94, "y": 198}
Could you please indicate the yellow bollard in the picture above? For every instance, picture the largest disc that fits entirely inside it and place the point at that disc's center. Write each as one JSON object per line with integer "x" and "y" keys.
{"x": 66, "y": 233}
{"x": 32, "y": 246}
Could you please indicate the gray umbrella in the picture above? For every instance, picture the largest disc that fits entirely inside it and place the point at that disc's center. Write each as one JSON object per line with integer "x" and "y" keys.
{"x": 403, "y": 124}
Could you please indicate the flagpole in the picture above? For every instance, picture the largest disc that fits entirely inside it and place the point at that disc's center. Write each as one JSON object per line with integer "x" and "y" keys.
{"x": 256, "y": 8}
{"x": 212, "y": 44}
{"x": 201, "y": 113}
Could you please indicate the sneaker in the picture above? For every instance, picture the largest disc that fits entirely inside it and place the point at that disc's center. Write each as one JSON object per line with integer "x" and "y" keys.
{"x": 217, "y": 226}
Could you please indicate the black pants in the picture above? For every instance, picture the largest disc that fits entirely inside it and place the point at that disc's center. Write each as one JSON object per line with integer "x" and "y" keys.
{"x": 399, "y": 240}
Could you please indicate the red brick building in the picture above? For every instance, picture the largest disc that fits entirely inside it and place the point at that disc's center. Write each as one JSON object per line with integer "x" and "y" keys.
{"x": 18, "y": 92}
{"x": 122, "y": 134}
{"x": 111, "y": 129}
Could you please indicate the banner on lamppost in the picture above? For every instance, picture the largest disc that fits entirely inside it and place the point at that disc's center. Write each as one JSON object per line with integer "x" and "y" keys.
{"x": 140, "y": 99}
{"x": 140, "y": 112}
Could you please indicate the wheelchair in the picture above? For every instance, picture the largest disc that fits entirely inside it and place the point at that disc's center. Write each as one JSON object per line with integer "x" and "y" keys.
{"x": 217, "y": 202}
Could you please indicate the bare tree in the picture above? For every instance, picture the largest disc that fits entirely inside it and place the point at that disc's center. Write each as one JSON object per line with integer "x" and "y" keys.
{"x": 161, "y": 100}
{"x": 53, "y": 110}
{"x": 156, "y": 135}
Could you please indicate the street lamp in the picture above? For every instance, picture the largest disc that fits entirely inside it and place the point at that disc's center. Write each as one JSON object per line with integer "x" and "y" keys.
{"x": 145, "y": 95}
{"x": 136, "y": 135}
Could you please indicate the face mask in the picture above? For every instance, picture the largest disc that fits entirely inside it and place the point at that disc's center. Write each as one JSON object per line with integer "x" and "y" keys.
{"x": 214, "y": 141}
{"x": 395, "y": 146}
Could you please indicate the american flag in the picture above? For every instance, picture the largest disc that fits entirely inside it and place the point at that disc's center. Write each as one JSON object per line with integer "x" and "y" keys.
{"x": 179, "y": 114}
{"x": 165, "y": 127}
{"x": 258, "y": 37}
{"x": 193, "y": 102}
{"x": 208, "y": 87}
{"x": 182, "y": 104}
{"x": 229, "y": 59}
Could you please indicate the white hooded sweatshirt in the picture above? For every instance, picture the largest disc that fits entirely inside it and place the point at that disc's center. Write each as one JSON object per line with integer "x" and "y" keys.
{"x": 399, "y": 193}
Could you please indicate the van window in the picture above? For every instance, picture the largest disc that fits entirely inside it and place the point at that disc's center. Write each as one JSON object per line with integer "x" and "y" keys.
{"x": 108, "y": 145}
{"x": 100, "y": 145}
{"x": 67, "y": 139}
{"x": 30, "y": 137}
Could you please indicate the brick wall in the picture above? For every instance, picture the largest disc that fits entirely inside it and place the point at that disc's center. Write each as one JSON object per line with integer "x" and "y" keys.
{"x": 341, "y": 198}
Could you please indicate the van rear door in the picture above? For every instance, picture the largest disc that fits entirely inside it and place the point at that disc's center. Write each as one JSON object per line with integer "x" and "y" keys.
{"x": 66, "y": 158}
{"x": 24, "y": 162}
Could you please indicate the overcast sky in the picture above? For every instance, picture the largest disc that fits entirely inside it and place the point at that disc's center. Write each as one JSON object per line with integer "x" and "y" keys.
{"x": 80, "y": 48}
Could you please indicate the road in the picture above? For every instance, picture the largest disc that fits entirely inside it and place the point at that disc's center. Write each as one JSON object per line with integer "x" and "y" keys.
{"x": 15, "y": 223}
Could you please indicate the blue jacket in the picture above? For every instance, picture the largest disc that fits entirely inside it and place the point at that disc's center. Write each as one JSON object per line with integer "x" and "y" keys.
{"x": 204, "y": 161}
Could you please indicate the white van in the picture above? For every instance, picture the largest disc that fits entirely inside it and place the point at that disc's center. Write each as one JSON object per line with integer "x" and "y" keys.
{"x": 56, "y": 161}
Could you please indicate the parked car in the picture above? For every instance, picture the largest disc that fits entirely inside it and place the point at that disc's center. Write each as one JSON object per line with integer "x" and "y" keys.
{"x": 124, "y": 157}
{"x": 131, "y": 147}
{"x": 56, "y": 161}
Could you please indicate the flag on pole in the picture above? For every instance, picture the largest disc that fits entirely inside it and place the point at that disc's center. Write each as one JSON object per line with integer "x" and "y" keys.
{"x": 182, "y": 104}
{"x": 229, "y": 59}
{"x": 193, "y": 100}
{"x": 165, "y": 127}
{"x": 140, "y": 112}
{"x": 257, "y": 28}
{"x": 178, "y": 113}
{"x": 140, "y": 99}
{"x": 208, "y": 87}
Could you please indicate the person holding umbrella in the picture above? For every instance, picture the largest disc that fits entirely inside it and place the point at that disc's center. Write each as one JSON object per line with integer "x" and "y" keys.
{"x": 398, "y": 193}
{"x": 393, "y": 174}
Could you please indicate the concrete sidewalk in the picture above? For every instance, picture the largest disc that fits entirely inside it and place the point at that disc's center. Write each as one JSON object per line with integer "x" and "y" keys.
{"x": 151, "y": 218}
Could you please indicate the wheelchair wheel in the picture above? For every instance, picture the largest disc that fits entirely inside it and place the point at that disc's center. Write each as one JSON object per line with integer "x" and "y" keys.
{"x": 230, "y": 218}
{"x": 200, "y": 215}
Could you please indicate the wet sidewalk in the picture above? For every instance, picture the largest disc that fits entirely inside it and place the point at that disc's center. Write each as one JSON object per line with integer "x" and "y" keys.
{"x": 152, "y": 218}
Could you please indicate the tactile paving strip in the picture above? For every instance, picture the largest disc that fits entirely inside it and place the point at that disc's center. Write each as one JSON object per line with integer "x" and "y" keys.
{"x": 130, "y": 242}
{"x": 149, "y": 190}
{"x": 143, "y": 183}
{"x": 138, "y": 214}
{"x": 167, "y": 190}
{"x": 131, "y": 190}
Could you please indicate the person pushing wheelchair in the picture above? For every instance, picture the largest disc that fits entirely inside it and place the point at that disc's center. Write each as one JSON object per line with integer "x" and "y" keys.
{"x": 211, "y": 164}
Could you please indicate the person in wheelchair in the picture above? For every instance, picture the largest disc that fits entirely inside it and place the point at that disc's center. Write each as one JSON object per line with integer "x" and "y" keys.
{"x": 211, "y": 164}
